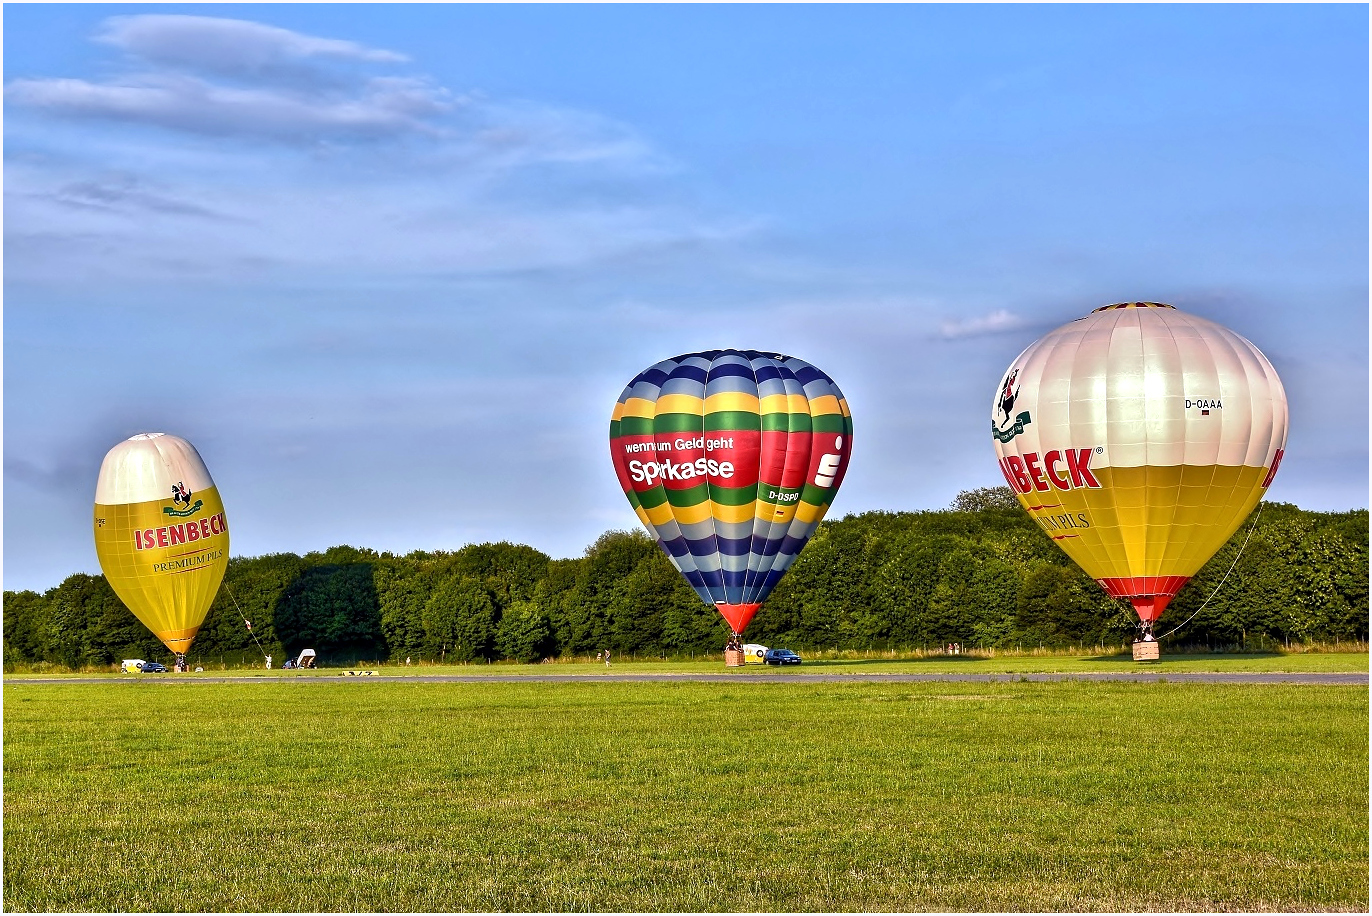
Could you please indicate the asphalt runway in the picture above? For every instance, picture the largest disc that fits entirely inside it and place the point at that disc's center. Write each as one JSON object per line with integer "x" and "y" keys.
{"x": 735, "y": 678}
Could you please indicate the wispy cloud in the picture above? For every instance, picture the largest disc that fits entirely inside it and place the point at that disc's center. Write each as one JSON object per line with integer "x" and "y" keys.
{"x": 995, "y": 322}
{"x": 344, "y": 161}
{"x": 233, "y": 47}
{"x": 233, "y": 78}
{"x": 60, "y": 478}
{"x": 383, "y": 106}
{"x": 122, "y": 193}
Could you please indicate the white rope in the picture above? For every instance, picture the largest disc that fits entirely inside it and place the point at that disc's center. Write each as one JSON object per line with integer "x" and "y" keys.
{"x": 1251, "y": 529}
{"x": 245, "y": 621}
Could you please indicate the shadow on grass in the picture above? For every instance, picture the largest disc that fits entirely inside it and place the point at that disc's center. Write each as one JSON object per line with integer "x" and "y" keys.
{"x": 1181, "y": 656}
{"x": 1108, "y": 658}
{"x": 860, "y": 662}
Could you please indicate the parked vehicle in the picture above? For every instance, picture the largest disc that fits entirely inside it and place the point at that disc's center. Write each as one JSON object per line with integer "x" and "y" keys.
{"x": 153, "y": 668}
{"x": 753, "y": 654}
{"x": 781, "y": 657}
{"x": 132, "y": 665}
{"x": 304, "y": 660}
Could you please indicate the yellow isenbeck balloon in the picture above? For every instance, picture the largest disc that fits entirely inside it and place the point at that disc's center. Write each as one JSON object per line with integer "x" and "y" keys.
{"x": 1139, "y": 437}
{"x": 161, "y": 534}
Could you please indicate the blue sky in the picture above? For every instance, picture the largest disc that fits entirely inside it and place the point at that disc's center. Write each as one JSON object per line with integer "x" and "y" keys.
{"x": 388, "y": 267}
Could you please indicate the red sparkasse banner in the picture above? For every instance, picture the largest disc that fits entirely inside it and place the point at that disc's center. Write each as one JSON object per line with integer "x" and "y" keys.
{"x": 680, "y": 461}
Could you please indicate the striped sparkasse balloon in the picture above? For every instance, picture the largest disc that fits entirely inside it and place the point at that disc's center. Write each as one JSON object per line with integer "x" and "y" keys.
{"x": 730, "y": 458}
{"x": 1140, "y": 437}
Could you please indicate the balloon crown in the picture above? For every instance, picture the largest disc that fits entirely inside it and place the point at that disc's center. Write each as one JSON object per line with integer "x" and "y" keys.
{"x": 1134, "y": 305}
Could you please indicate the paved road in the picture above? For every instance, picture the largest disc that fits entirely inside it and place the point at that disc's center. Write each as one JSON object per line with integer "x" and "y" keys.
{"x": 739, "y": 678}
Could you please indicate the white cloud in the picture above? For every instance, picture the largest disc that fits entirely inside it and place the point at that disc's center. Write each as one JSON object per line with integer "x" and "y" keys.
{"x": 520, "y": 133}
{"x": 995, "y": 322}
{"x": 234, "y": 47}
{"x": 232, "y": 78}
{"x": 317, "y": 217}
{"x": 383, "y": 107}
{"x": 341, "y": 167}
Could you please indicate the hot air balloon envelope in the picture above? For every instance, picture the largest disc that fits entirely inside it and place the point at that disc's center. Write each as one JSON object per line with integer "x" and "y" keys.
{"x": 1139, "y": 438}
{"x": 730, "y": 458}
{"x": 161, "y": 534}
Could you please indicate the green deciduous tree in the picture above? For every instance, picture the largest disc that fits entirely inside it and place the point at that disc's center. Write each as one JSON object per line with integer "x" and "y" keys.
{"x": 523, "y": 634}
{"x": 26, "y": 619}
{"x": 460, "y": 621}
{"x": 333, "y": 610}
{"x": 982, "y": 574}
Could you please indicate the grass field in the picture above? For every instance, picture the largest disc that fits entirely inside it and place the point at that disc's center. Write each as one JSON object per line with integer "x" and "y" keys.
{"x": 379, "y": 796}
{"x": 854, "y": 663}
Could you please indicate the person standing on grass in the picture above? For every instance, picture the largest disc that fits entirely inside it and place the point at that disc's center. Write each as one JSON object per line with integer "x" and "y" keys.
{"x": 607, "y": 658}
{"x": 269, "y": 663}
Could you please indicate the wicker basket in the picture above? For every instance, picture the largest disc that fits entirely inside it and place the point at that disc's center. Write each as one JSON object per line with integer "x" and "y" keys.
{"x": 1146, "y": 651}
{"x": 733, "y": 658}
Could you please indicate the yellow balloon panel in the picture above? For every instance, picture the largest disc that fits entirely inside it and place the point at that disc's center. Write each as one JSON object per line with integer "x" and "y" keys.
{"x": 1147, "y": 521}
{"x": 165, "y": 560}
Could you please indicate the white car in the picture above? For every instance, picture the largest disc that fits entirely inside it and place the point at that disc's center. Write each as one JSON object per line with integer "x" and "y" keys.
{"x": 753, "y": 653}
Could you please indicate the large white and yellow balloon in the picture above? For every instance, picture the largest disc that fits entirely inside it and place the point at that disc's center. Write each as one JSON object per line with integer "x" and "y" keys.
{"x": 1140, "y": 437}
{"x": 161, "y": 534}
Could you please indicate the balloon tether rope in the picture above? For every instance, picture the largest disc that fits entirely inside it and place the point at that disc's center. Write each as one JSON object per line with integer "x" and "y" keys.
{"x": 1215, "y": 591}
{"x": 245, "y": 621}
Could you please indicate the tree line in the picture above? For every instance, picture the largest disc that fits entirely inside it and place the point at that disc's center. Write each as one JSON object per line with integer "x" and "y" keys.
{"x": 980, "y": 573}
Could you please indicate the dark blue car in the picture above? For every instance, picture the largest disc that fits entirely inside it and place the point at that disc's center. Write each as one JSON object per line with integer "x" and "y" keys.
{"x": 781, "y": 657}
{"x": 153, "y": 668}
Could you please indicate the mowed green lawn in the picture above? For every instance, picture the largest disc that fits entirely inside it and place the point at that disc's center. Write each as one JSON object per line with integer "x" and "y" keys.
{"x": 876, "y": 662}
{"x": 371, "y": 795}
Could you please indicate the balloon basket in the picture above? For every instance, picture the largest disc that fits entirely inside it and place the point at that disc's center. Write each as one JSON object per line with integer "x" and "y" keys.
{"x": 1147, "y": 651}
{"x": 733, "y": 658}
